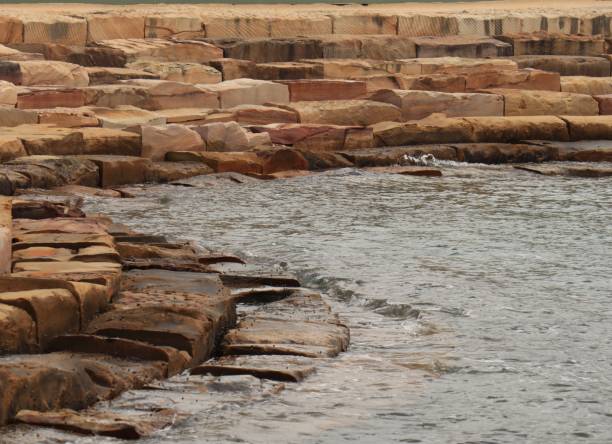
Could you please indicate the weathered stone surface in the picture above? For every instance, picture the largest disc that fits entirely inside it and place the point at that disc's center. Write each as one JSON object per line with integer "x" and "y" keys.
{"x": 452, "y": 65}
{"x": 157, "y": 141}
{"x": 277, "y": 368}
{"x": 261, "y": 115}
{"x": 8, "y": 93}
{"x": 65, "y": 30}
{"x": 164, "y": 26}
{"x": 161, "y": 50}
{"x": 588, "y": 128}
{"x": 110, "y": 141}
{"x": 350, "y": 69}
{"x": 244, "y": 27}
{"x": 125, "y": 116}
{"x": 288, "y": 71}
{"x": 582, "y": 151}
{"x": 587, "y": 85}
{"x": 121, "y": 170}
{"x": 67, "y": 117}
{"x": 104, "y": 75}
{"x": 10, "y": 117}
{"x": 10, "y": 72}
{"x": 233, "y": 68}
{"x": 179, "y": 72}
{"x": 365, "y": 24}
{"x": 50, "y": 97}
{"x": 519, "y": 79}
{"x": 431, "y": 82}
{"x": 294, "y": 27}
{"x": 255, "y": 336}
{"x": 605, "y": 104}
{"x": 248, "y": 91}
{"x": 345, "y": 112}
{"x": 419, "y": 104}
{"x": 54, "y": 311}
{"x": 375, "y": 47}
{"x": 192, "y": 116}
{"x": 427, "y": 25}
{"x": 494, "y": 153}
{"x": 222, "y": 136}
{"x": 240, "y": 162}
{"x": 460, "y": 46}
{"x": 18, "y": 330}
{"x": 11, "y": 148}
{"x": 46, "y": 72}
{"x": 566, "y": 65}
{"x": 512, "y": 129}
{"x": 11, "y": 30}
{"x": 101, "y": 423}
{"x": 101, "y": 27}
{"x": 546, "y": 103}
{"x": 67, "y": 170}
{"x": 325, "y": 89}
{"x": 317, "y": 137}
{"x": 433, "y": 129}
{"x": 554, "y": 44}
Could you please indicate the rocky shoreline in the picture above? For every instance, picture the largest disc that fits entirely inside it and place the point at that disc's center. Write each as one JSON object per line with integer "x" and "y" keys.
{"x": 114, "y": 96}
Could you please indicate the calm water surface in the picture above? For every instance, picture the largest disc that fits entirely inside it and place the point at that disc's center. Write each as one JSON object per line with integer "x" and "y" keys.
{"x": 510, "y": 273}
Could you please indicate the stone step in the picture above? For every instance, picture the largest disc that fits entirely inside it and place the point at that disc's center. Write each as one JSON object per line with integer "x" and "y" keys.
{"x": 544, "y": 43}
{"x": 566, "y": 65}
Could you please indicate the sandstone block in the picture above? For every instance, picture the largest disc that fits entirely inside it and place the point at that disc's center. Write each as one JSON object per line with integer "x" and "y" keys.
{"x": 434, "y": 129}
{"x": 8, "y": 93}
{"x": 126, "y": 116}
{"x": 589, "y": 128}
{"x": 110, "y": 141}
{"x": 10, "y": 117}
{"x": 288, "y": 71}
{"x": 248, "y": 91}
{"x": 11, "y": 30}
{"x": 432, "y": 82}
{"x": 261, "y": 115}
{"x": 605, "y": 104}
{"x": 375, "y": 47}
{"x": 325, "y": 89}
{"x": 10, "y": 148}
{"x": 233, "y": 68}
{"x": 245, "y": 162}
{"x": 545, "y": 103}
{"x": 106, "y": 27}
{"x": 521, "y": 79}
{"x": 64, "y": 30}
{"x": 67, "y": 117}
{"x": 104, "y": 76}
{"x": 364, "y": 24}
{"x": 121, "y": 170}
{"x": 243, "y": 27}
{"x": 10, "y": 72}
{"x": 513, "y": 129}
{"x": 180, "y": 72}
{"x": 184, "y": 51}
{"x": 345, "y": 112}
{"x": 417, "y": 105}
{"x": 6, "y": 238}
{"x": 18, "y": 330}
{"x": 157, "y": 141}
{"x": 40, "y": 73}
{"x": 223, "y": 136}
{"x": 587, "y": 85}
{"x": 422, "y": 25}
{"x": 294, "y": 27}
{"x": 460, "y": 46}
{"x": 566, "y": 65}
{"x": 165, "y": 26}
{"x": 50, "y": 97}
{"x": 555, "y": 44}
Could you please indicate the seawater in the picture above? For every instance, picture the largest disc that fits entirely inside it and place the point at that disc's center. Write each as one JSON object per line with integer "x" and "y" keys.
{"x": 479, "y": 303}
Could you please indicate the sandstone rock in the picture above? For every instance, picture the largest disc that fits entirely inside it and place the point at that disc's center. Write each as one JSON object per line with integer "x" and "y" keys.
{"x": 358, "y": 138}
{"x": 375, "y": 47}
{"x": 452, "y": 65}
{"x": 432, "y": 82}
{"x": 325, "y": 89}
{"x": 587, "y": 85}
{"x": 180, "y": 72}
{"x": 533, "y": 103}
{"x": 101, "y": 27}
{"x": 166, "y": 25}
{"x": 110, "y": 141}
{"x": 434, "y": 129}
{"x": 10, "y": 148}
{"x": 254, "y": 336}
{"x": 277, "y": 368}
{"x": 121, "y": 170}
{"x": 288, "y": 71}
{"x": 365, "y": 24}
{"x": 49, "y": 97}
{"x": 566, "y": 65}
{"x": 241, "y": 162}
{"x": 67, "y": 170}
{"x": 605, "y": 104}
{"x": 10, "y": 117}
{"x": 582, "y": 151}
{"x": 40, "y": 73}
{"x": 588, "y": 128}
{"x": 67, "y": 117}
{"x": 160, "y": 50}
{"x": 65, "y": 30}
{"x": 125, "y": 116}
{"x": 11, "y": 30}
{"x": 15, "y": 55}
{"x": 349, "y": 69}
{"x": 513, "y": 129}
{"x": 193, "y": 116}
{"x": 10, "y": 72}
{"x": 554, "y": 44}
{"x": 101, "y": 423}
{"x": 6, "y": 239}
{"x": 265, "y": 50}
{"x": 8, "y": 94}
{"x": 521, "y": 79}
{"x": 243, "y": 27}
{"x": 294, "y": 27}
{"x": 460, "y": 46}
{"x": 105, "y": 76}
{"x": 427, "y": 25}
{"x": 261, "y": 115}
{"x": 223, "y": 136}
{"x": 495, "y": 153}
{"x": 306, "y": 136}
{"x": 248, "y": 91}
{"x": 44, "y": 139}
{"x": 345, "y": 112}
{"x": 157, "y": 141}
{"x": 55, "y": 311}
{"x": 18, "y": 330}
{"x": 96, "y": 56}
{"x": 233, "y": 68}
{"x": 416, "y": 105}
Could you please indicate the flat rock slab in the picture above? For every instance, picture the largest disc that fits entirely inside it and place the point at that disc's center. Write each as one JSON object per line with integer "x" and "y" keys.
{"x": 581, "y": 151}
{"x": 262, "y": 336}
{"x": 101, "y": 423}
{"x": 176, "y": 281}
{"x": 273, "y": 367}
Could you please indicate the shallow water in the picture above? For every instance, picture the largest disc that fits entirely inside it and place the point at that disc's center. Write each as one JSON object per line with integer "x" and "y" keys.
{"x": 509, "y": 271}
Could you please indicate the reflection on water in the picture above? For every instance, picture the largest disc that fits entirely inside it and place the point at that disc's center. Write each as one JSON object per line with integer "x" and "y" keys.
{"x": 479, "y": 303}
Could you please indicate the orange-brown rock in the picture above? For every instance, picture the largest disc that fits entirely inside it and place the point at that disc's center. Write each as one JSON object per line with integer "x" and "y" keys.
{"x": 587, "y": 85}
{"x": 566, "y": 65}
{"x": 605, "y": 104}
{"x": 434, "y": 129}
{"x": 546, "y": 103}
{"x": 589, "y": 128}
{"x": 233, "y": 68}
{"x": 50, "y": 97}
{"x": 18, "y": 330}
{"x": 518, "y": 79}
{"x": 513, "y": 129}
{"x": 288, "y": 71}
{"x": 325, "y": 89}
{"x": 121, "y": 170}
{"x": 460, "y": 46}
{"x": 345, "y": 112}
{"x": 157, "y": 141}
{"x": 554, "y": 44}
{"x": 162, "y": 50}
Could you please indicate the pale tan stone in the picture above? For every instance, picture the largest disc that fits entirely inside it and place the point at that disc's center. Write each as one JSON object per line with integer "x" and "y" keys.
{"x": 248, "y": 91}
{"x": 126, "y": 116}
{"x": 545, "y": 103}
{"x": 345, "y": 112}
{"x": 294, "y": 27}
{"x": 64, "y": 30}
{"x": 420, "y": 104}
{"x": 11, "y": 30}
{"x": 452, "y": 65}
{"x": 180, "y": 72}
{"x": 365, "y": 24}
{"x": 11, "y": 148}
{"x": 224, "y": 136}
{"x": 8, "y": 93}
{"x": 47, "y": 72}
{"x": 244, "y": 27}
{"x": 159, "y": 140}
{"x": 113, "y": 26}
{"x": 164, "y": 26}
{"x": 587, "y": 85}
